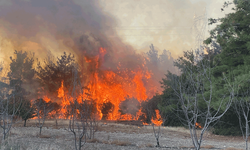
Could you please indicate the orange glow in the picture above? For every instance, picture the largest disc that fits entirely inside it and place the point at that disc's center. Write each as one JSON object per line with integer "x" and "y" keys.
{"x": 158, "y": 120}
{"x": 61, "y": 91}
{"x": 46, "y": 99}
{"x": 198, "y": 125}
{"x": 113, "y": 86}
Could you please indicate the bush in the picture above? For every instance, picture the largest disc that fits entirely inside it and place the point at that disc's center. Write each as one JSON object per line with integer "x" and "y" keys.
{"x": 234, "y": 131}
{"x": 228, "y": 124}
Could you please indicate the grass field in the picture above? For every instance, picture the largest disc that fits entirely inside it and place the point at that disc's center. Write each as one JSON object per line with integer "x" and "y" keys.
{"x": 111, "y": 136}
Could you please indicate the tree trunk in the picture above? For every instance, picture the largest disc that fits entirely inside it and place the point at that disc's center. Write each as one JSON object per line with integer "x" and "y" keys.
{"x": 24, "y": 122}
{"x": 158, "y": 143}
{"x": 247, "y": 130}
{"x": 40, "y": 130}
{"x": 80, "y": 143}
{"x": 4, "y": 135}
{"x": 56, "y": 124}
{"x": 246, "y": 144}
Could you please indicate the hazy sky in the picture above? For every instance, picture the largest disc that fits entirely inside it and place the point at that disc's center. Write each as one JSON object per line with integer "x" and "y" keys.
{"x": 168, "y": 24}
{"x": 165, "y": 23}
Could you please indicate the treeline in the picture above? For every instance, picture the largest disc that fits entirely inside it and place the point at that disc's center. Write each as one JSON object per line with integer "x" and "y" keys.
{"x": 22, "y": 88}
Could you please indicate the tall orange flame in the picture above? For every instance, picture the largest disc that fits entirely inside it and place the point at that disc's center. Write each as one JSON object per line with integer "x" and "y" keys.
{"x": 158, "y": 120}
{"x": 111, "y": 86}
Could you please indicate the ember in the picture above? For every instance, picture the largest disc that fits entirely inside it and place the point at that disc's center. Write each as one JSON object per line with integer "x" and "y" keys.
{"x": 198, "y": 125}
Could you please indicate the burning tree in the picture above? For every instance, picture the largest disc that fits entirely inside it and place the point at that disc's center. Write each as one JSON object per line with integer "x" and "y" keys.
{"x": 197, "y": 101}
{"x": 125, "y": 82}
{"x": 52, "y": 73}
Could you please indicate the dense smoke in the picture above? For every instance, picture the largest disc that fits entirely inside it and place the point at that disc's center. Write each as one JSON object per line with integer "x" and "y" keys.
{"x": 79, "y": 27}
{"x": 54, "y": 25}
{"x": 113, "y": 69}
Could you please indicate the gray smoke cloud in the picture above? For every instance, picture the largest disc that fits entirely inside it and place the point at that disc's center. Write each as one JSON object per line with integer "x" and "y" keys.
{"x": 59, "y": 20}
{"x": 77, "y": 26}
{"x": 61, "y": 25}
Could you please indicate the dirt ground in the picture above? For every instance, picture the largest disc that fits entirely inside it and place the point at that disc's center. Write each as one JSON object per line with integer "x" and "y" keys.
{"x": 111, "y": 136}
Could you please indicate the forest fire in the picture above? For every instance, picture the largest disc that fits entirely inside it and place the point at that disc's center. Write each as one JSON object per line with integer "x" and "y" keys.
{"x": 108, "y": 88}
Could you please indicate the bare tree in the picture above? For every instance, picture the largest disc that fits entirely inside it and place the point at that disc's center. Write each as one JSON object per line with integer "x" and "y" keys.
{"x": 157, "y": 133}
{"x": 81, "y": 114}
{"x": 156, "y": 120}
{"x": 154, "y": 116}
{"x": 10, "y": 102}
{"x": 242, "y": 108}
{"x": 42, "y": 109}
{"x": 194, "y": 89}
{"x": 9, "y": 107}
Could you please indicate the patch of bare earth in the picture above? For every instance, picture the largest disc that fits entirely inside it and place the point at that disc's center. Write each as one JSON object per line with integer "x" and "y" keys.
{"x": 111, "y": 136}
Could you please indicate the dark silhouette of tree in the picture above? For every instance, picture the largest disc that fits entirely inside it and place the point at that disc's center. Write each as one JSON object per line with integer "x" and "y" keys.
{"x": 51, "y": 74}
{"x": 26, "y": 111}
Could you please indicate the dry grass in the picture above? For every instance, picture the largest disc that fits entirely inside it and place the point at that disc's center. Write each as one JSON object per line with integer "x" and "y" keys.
{"x": 51, "y": 132}
{"x": 44, "y": 136}
{"x": 149, "y": 145}
{"x": 205, "y": 147}
{"x": 231, "y": 148}
{"x": 105, "y": 142}
{"x": 208, "y": 147}
{"x": 121, "y": 143}
{"x": 94, "y": 140}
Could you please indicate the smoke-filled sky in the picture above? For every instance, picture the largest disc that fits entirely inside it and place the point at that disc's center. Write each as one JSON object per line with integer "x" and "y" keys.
{"x": 165, "y": 23}
{"x": 70, "y": 25}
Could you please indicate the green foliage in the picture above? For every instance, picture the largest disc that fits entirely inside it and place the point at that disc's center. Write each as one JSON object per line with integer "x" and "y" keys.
{"x": 228, "y": 124}
{"x": 168, "y": 106}
{"x": 217, "y": 71}
{"x": 233, "y": 34}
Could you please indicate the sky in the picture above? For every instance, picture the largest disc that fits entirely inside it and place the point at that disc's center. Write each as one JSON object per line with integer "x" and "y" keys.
{"x": 168, "y": 24}
{"x": 44, "y": 25}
